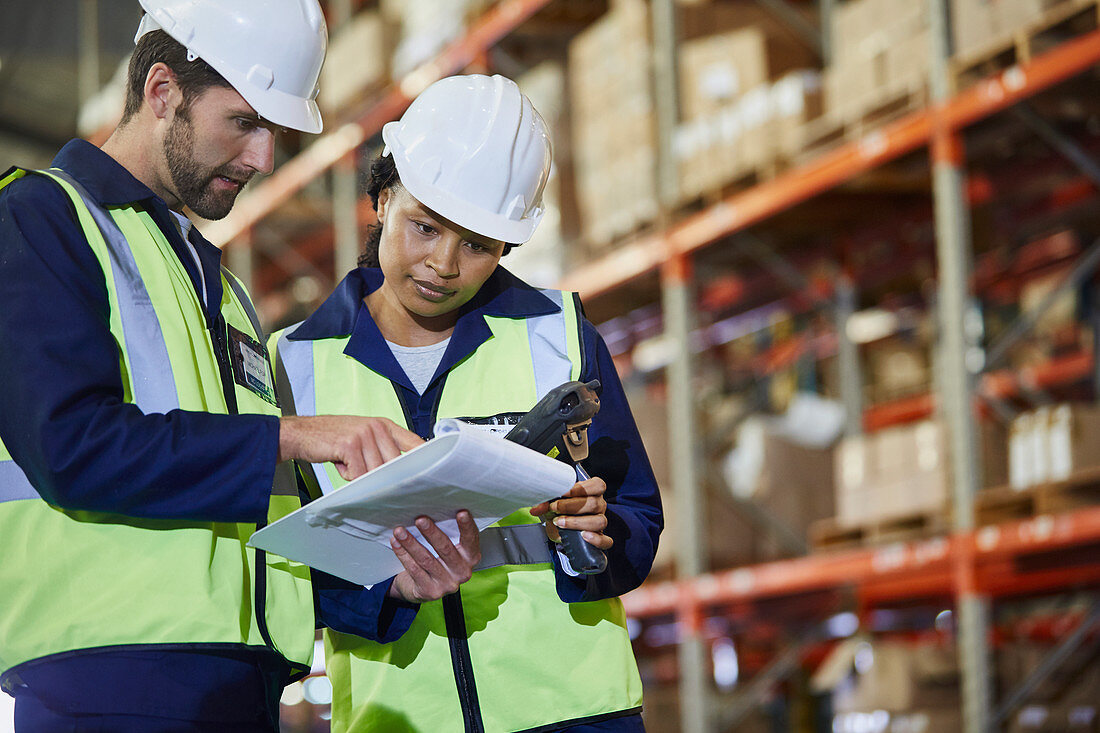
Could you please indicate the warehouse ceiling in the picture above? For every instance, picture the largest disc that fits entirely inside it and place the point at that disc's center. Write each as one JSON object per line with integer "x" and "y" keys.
{"x": 39, "y": 80}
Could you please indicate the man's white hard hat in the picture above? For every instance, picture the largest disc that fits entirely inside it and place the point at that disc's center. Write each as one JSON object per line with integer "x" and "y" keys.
{"x": 474, "y": 150}
{"x": 270, "y": 51}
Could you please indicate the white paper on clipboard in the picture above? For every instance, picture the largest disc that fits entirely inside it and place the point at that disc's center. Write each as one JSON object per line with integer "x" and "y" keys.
{"x": 346, "y": 533}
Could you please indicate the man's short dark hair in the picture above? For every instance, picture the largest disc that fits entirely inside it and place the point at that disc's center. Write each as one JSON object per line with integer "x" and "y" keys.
{"x": 193, "y": 77}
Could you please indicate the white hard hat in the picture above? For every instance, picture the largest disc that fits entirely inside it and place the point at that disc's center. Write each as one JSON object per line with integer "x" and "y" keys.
{"x": 270, "y": 51}
{"x": 474, "y": 150}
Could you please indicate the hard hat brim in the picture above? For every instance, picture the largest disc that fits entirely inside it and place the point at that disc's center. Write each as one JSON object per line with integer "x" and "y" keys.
{"x": 284, "y": 110}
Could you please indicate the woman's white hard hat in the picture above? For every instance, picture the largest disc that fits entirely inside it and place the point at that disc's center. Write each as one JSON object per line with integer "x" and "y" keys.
{"x": 270, "y": 51}
{"x": 474, "y": 150}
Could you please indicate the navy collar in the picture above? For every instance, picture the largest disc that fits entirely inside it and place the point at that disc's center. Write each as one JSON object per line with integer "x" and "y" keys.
{"x": 111, "y": 184}
{"x": 345, "y": 314}
{"x": 503, "y": 295}
{"x": 103, "y": 176}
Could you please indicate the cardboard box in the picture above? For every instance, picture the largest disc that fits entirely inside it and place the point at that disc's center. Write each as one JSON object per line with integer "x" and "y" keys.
{"x": 866, "y": 675}
{"x": 1052, "y": 443}
{"x": 972, "y": 26}
{"x": 911, "y": 470}
{"x": 897, "y": 368}
{"x": 1072, "y": 439}
{"x": 854, "y": 469}
{"x": 908, "y": 60}
{"x": 717, "y": 70}
{"x": 612, "y": 116}
{"x": 1011, "y": 15}
{"x": 881, "y": 52}
{"x": 357, "y": 61}
{"x": 1061, "y": 314}
{"x": 906, "y": 470}
{"x": 849, "y": 85}
{"x": 797, "y": 100}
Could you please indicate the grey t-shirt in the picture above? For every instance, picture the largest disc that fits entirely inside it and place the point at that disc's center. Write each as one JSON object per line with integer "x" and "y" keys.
{"x": 419, "y": 362}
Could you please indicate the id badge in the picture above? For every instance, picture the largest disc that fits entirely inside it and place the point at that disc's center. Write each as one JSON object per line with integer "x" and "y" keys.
{"x": 250, "y": 366}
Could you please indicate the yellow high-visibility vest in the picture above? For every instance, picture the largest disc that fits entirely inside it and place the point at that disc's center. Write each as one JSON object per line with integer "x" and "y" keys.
{"x": 505, "y": 640}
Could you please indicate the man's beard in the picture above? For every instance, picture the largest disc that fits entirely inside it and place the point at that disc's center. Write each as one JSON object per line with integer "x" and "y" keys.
{"x": 191, "y": 179}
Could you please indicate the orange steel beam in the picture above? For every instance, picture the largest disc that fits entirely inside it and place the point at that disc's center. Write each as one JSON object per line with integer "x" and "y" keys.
{"x": 293, "y": 175}
{"x": 1002, "y": 384}
{"x": 898, "y": 412}
{"x": 749, "y": 207}
{"x": 926, "y": 567}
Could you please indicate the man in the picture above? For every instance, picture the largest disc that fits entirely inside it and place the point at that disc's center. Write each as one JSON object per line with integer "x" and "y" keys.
{"x": 140, "y": 431}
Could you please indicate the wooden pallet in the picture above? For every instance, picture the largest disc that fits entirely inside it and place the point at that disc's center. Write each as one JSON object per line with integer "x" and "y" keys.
{"x": 827, "y": 534}
{"x": 1060, "y": 21}
{"x": 613, "y": 238}
{"x": 738, "y": 181}
{"x": 861, "y": 116}
{"x": 1004, "y": 504}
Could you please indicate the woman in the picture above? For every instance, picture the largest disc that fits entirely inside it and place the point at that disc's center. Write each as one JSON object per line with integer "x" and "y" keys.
{"x": 431, "y": 326}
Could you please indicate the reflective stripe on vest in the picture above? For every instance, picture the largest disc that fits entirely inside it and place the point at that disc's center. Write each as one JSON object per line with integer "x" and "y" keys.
{"x": 296, "y": 357}
{"x": 144, "y": 341}
{"x": 14, "y": 485}
{"x": 549, "y": 347}
{"x": 514, "y": 620}
{"x": 518, "y": 544}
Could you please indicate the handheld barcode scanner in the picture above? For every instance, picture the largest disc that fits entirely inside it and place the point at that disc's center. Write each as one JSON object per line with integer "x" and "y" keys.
{"x": 558, "y": 427}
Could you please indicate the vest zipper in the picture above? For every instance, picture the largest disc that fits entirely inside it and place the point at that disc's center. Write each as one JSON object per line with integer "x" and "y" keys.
{"x": 461, "y": 663}
{"x": 219, "y": 333}
{"x": 454, "y": 618}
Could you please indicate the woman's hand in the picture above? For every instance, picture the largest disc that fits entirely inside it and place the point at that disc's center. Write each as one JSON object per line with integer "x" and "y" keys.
{"x": 427, "y": 577}
{"x": 583, "y": 508}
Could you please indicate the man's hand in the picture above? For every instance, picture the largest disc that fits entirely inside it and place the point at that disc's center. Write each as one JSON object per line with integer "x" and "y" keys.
{"x": 427, "y": 577}
{"x": 583, "y": 508}
{"x": 354, "y": 444}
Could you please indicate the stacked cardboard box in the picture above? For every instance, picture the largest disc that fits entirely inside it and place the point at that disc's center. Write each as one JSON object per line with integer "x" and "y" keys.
{"x": 979, "y": 26}
{"x": 738, "y": 119}
{"x": 541, "y": 260}
{"x": 891, "y": 473}
{"x": 795, "y": 487}
{"x": 881, "y": 52}
{"x": 357, "y": 61}
{"x": 793, "y": 484}
{"x": 1053, "y": 443}
{"x": 905, "y": 471}
{"x": 422, "y": 29}
{"x": 884, "y": 686}
{"x": 612, "y": 113}
{"x": 742, "y": 105}
{"x": 897, "y": 368}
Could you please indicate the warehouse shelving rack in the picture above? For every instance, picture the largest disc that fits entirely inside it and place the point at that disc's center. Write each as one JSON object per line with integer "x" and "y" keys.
{"x": 834, "y": 168}
{"x": 972, "y": 562}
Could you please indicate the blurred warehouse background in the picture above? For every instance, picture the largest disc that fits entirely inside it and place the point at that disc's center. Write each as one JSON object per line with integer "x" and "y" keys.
{"x": 844, "y": 253}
